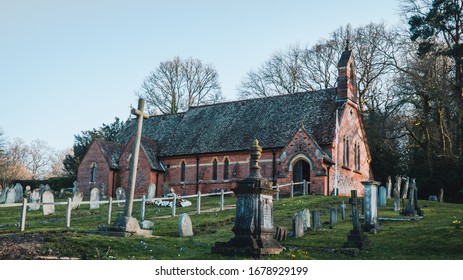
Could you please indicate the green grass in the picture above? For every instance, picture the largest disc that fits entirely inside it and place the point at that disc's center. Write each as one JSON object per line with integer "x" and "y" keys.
{"x": 432, "y": 237}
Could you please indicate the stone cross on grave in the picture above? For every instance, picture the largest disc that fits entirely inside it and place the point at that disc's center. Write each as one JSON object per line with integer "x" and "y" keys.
{"x": 356, "y": 236}
{"x": 353, "y": 200}
{"x": 128, "y": 223}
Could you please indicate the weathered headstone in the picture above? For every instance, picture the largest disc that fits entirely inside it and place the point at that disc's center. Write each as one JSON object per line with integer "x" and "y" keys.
{"x": 151, "y": 192}
{"x": 146, "y": 224}
{"x": 61, "y": 193}
{"x": 396, "y": 195}
{"x": 298, "y": 225}
{"x": 48, "y": 200}
{"x": 356, "y": 236}
{"x": 253, "y": 229}
{"x": 10, "y": 196}
{"x": 409, "y": 209}
{"x": 343, "y": 210}
{"x": 418, "y": 210}
{"x": 389, "y": 187}
{"x": 184, "y": 225}
{"x": 75, "y": 187}
{"x": 281, "y": 233}
{"x": 3, "y": 195}
{"x": 76, "y": 200}
{"x": 371, "y": 205}
{"x": 316, "y": 219}
{"x": 306, "y": 219}
{"x": 441, "y": 195}
{"x": 19, "y": 193}
{"x": 94, "y": 198}
{"x": 404, "y": 191}
{"x": 34, "y": 203}
{"x": 432, "y": 198}
{"x": 102, "y": 190}
{"x": 333, "y": 216}
{"x": 120, "y": 195}
{"x": 382, "y": 196}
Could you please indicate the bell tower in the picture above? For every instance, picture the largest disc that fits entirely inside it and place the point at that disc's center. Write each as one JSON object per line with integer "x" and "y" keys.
{"x": 347, "y": 76}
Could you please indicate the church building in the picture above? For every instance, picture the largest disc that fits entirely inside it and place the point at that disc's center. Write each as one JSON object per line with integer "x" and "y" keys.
{"x": 315, "y": 136}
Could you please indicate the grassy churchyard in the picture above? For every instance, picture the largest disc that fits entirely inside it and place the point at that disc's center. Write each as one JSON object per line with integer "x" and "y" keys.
{"x": 436, "y": 236}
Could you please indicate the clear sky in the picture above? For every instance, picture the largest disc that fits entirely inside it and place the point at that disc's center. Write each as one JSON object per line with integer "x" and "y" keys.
{"x": 68, "y": 66}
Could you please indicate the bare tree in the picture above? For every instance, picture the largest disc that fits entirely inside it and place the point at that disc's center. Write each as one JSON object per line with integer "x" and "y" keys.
{"x": 177, "y": 84}
{"x": 38, "y": 159}
{"x": 12, "y": 162}
{"x": 56, "y": 163}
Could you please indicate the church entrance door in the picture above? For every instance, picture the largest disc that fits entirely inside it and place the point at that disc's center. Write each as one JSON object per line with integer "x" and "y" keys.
{"x": 301, "y": 172}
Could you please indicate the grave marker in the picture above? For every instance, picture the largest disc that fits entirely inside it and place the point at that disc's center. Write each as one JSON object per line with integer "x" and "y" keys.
{"x": 19, "y": 193}
{"x": 94, "y": 198}
{"x": 34, "y": 200}
{"x": 356, "y": 236}
{"x": 333, "y": 217}
{"x": 371, "y": 205}
{"x": 316, "y": 219}
{"x": 47, "y": 197}
{"x": 120, "y": 195}
{"x": 151, "y": 192}
{"x": 298, "y": 225}
{"x": 10, "y": 196}
{"x": 184, "y": 225}
{"x": 76, "y": 200}
{"x": 382, "y": 196}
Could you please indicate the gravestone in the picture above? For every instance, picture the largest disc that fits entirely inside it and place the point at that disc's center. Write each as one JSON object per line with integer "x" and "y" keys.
{"x": 10, "y": 196}
{"x": 356, "y": 236}
{"x": 389, "y": 187}
{"x": 146, "y": 224}
{"x": 441, "y": 196}
{"x": 418, "y": 210}
{"x": 75, "y": 187}
{"x": 120, "y": 195}
{"x": 298, "y": 225}
{"x": 432, "y": 198}
{"x": 94, "y": 198}
{"x": 371, "y": 205}
{"x": 343, "y": 210}
{"x": 382, "y": 196}
{"x": 151, "y": 192}
{"x": 280, "y": 234}
{"x": 306, "y": 219}
{"x": 19, "y": 193}
{"x": 34, "y": 203}
{"x": 3, "y": 195}
{"x": 333, "y": 217}
{"x": 102, "y": 190}
{"x": 396, "y": 195}
{"x": 404, "y": 191}
{"x": 47, "y": 197}
{"x": 184, "y": 225}
{"x": 61, "y": 193}
{"x": 76, "y": 200}
{"x": 253, "y": 228}
{"x": 316, "y": 219}
{"x": 409, "y": 209}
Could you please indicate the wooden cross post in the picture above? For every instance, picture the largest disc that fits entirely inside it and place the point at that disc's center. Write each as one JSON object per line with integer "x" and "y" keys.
{"x": 134, "y": 159}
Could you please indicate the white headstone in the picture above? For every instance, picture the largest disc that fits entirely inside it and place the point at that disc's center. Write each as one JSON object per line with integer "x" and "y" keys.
{"x": 19, "y": 192}
{"x": 298, "y": 225}
{"x": 47, "y": 197}
{"x": 184, "y": 225}
{"x": 34, "y": 203}
{"x": 76, "y": 200}
{"x": 28, "y": 192}
{"x": 10, "y": 196}
{"x": 146, "y": 224}
{"x": 94, "y": 198}
{"x": 151, "y": 192}
{"x": 120, "y": 195}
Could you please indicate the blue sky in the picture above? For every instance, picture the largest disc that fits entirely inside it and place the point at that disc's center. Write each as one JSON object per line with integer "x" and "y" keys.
{"x": 68, "y": 66}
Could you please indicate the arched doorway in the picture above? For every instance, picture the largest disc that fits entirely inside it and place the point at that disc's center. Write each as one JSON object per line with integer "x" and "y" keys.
{"x": 301, "y": 172}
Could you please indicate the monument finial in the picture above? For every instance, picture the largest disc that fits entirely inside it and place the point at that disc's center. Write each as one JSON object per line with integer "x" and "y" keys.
{"x": 256, "y": 153}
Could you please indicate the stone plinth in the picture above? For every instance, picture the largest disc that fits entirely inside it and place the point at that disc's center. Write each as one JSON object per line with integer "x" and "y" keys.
{"x": 253, "y": 229}
{"x": 371, "y": 205}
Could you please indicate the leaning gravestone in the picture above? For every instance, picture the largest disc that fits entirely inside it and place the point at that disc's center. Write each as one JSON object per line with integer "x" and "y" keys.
{"x": 404, "y": 193}
{"x": 184, "y": 225}
{"x": 382, "y": 196}
{"x": 34, "y": 203}
{"x": 48, "y": 209}
{"x": 120, "y": 195}
{"x": 94, "y": 198}
{"x": 19, "y": 192}
{"x": 298, "y": 225}
{"x": 389, "y": 187}
{"x": 76, "y": 200}
{"x": 151, "y": 192}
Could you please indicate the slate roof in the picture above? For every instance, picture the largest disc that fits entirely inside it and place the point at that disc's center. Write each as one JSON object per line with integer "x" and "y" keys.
{"x": 233, "y": 126}
{"x": 111, "y": 151}
{"x": 150, "y": 148}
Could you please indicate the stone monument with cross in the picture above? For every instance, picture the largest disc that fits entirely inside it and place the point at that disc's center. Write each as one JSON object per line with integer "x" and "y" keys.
{"x": 356, "y": 237}
{"x": 253, "y": 229}
{"x": 127, "y": 224}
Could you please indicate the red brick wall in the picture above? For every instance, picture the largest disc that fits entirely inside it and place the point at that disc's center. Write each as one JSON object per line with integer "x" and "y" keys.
{"x": 103, "y": 173}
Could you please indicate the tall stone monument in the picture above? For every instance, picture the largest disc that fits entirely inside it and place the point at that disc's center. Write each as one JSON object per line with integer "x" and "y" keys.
{"x": 370, "y": 188}
{"x": 356, "y": 237}
{"x": 253, "y": 218}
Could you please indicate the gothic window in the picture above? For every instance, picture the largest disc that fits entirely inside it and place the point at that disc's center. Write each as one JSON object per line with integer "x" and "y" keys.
{"x": 214, "y": 170}
{"x": 182, "y": 174}
{"x": 93, "y": 166}
{"x": 357, "y": 156}
{"x": 225, "y": 169}
{"x": 345, "y": 157}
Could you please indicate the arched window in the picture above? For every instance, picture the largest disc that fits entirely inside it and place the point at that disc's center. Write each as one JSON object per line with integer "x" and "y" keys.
{"x": 225, "y": 169}
{"x": 214, "y": 170}
{"x": 345, "y": 157}
{"x": 357, "y": 156}
{"x": 93, "y": 166}
{"x": 182, "y": 174}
